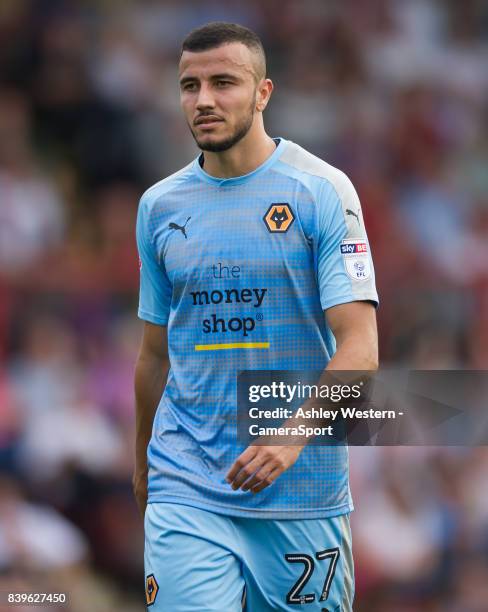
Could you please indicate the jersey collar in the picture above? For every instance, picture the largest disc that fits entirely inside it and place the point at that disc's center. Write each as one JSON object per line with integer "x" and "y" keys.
{"x": 236, "y": 180}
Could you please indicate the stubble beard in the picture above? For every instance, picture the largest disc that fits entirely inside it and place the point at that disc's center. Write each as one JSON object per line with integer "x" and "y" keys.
{"x": 241, "y": 129}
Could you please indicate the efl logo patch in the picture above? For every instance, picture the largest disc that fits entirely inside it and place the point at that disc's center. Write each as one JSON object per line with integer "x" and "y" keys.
{"x": 356, "y": 259}
{"x": 278, "y": 218}
{"x": 152, "y": 589}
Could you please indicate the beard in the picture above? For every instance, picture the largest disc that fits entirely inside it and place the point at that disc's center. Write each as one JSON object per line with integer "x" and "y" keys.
{"x": 240, "y": 130}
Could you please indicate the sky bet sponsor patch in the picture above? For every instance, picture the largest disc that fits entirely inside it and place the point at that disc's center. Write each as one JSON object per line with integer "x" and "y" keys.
{"x": 349, "y": 247}
{"x": 356, "y": 259}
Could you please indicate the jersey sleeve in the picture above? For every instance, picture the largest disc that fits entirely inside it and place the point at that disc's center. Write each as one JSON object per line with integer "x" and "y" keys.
{"x": 344, "y": 264}
{"x": 155, "y": 288}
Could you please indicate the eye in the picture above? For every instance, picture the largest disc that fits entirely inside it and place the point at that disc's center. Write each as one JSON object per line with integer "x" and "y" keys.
{"x": 222, "y": 83}
{"x": 189, "y": 86}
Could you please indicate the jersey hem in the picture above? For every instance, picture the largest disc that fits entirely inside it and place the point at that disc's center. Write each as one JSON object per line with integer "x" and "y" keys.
{"x": 313, "y": 513}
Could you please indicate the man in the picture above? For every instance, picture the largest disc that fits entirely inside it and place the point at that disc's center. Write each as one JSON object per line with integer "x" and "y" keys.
{"x": 241, "y": 253}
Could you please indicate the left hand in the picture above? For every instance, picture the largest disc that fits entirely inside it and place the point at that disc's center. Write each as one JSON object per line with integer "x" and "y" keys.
{"x": 259, "y": 466}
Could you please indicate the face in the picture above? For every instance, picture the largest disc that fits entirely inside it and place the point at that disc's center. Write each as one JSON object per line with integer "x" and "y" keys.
{"x": 219, "y": 95}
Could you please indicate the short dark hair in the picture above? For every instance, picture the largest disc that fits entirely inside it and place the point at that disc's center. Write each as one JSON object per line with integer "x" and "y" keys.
{"x": 218, "y": 33}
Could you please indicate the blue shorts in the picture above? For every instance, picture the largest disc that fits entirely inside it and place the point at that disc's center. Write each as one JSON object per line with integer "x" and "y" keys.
{"x": 199, "y": 560}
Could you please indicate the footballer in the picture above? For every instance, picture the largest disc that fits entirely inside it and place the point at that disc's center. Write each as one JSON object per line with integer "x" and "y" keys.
{"x": 253, "y": 257}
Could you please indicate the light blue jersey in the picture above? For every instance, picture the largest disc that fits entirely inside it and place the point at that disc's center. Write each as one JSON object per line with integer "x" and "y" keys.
{"x": 241, "y": 271}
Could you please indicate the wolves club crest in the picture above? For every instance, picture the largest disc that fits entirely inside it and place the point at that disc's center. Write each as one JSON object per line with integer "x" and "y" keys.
{"x": 278, "y": 218}
{"x": 152, "y": 588}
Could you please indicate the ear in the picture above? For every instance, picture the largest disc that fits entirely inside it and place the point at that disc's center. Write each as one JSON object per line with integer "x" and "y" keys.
{"x": 263, "y": 94}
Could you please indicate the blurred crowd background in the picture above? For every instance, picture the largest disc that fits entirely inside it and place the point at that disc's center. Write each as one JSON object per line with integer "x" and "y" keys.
{"x": 393, "y": 92}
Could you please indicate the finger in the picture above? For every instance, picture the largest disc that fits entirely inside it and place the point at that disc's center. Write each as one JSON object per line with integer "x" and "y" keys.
{"x": 247, "y": 472}
{"x": 267, "y": 480}
{"x": 243, "y": 459}
{"x": 260, "y": 475}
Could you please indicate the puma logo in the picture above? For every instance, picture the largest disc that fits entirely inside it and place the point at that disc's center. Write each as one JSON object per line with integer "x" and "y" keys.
{"x": 279, "y": 218}
{"x": 352, "y": 213}
{"x": 175, "y": 226}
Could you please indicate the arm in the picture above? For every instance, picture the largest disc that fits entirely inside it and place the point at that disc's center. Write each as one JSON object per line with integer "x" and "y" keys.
{"x": 354, "y": 327}
{"x": 150, "y": 378}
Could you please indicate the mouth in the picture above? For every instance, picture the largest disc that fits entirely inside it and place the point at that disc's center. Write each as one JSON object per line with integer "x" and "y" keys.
{"x": 207, "y": 121}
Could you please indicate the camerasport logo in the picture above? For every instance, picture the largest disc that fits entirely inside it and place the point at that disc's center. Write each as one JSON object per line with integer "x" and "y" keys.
{"x": 356, "y": 259}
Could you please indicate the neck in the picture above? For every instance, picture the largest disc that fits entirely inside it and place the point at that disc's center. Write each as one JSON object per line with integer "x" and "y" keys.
{"x": 244, "y": 157}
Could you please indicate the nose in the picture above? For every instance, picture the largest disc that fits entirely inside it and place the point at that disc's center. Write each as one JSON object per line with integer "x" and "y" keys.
{"x": 205, "y": 98}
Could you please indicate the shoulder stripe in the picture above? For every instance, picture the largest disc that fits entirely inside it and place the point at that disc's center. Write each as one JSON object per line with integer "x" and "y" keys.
{"x": 303, "y": 161}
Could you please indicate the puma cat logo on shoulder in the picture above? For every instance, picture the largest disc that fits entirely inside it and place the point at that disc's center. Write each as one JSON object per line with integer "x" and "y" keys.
{"x": 182, "y": 229}
{"x": 353, "y": 214}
